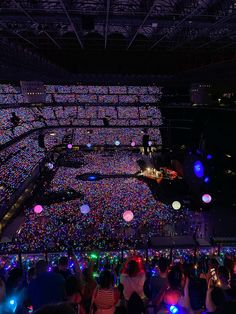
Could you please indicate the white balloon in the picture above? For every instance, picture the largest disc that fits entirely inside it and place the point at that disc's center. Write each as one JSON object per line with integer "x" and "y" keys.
{"x": 176, "y": 205}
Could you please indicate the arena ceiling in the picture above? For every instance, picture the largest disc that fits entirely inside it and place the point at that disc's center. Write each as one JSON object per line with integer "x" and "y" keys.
{"x": 160, "y": 36}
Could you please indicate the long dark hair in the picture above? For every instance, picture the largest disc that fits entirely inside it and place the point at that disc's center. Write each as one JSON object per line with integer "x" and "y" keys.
{"x": 106, "y": 279}
{"x": 132, "y": 268}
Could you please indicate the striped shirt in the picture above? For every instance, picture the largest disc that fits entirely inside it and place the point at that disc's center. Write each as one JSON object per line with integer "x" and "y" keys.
{"x": 105, "y": 301}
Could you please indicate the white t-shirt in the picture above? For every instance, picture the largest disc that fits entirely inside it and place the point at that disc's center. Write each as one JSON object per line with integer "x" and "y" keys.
{"x": 133, "y": 284}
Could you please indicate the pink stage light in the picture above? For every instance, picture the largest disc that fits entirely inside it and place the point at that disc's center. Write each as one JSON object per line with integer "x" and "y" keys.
{"x": 133, "y": 143}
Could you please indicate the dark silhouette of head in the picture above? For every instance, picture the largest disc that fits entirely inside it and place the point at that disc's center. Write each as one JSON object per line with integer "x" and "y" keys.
{"x": 175, "y": 278}
{"x": 132, "y": 268}
{"x": 163, "y": 264}
{"x": 106, "y": 279}
{"x": 63, "y": 263}
{"x": 41, "y": 267}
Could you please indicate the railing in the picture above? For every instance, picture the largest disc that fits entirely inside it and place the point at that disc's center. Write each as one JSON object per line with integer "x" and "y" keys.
{"x": 175, "y": 254}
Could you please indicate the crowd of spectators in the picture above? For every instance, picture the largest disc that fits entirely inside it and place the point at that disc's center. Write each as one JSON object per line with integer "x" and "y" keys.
{"x": 90, "y": 137}
{"x": 17, "y": 121}
{"x": 17, "y": 164}
{"x": 136, "y": 286}
{"x": 78, "y": 93}
{"x": 110, "y": 136}
{"x": 103, "y": 227}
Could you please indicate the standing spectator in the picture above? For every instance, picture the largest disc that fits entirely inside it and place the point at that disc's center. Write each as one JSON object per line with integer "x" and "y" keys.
{"x": 47, "y": 287}
{"x": 177, "y": 293}
{"x": 15, "y": 288}
{"x": 73, "y": 292}
{"x": 89, "y": 284}
{"x": 105, "y": 296}
{"x": 133, "y": 280}
{"x": 14, "y": 281}
{"x": 145, "y": 142}
{"x": 15, "y": 120}
{"x": 159, "y": 283}
{"x": 215, "y": 298}
{"x": 63, "y": 267}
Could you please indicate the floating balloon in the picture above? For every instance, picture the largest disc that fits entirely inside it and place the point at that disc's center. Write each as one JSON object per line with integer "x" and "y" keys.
{"x": 69, "y": 146}
{"x": 38, "y": 209}
{"x": 176, "y": 205}
{"x": 128, "y": 215}
{"x": 117, "y": 143}
{"x": 206, "y": 198}
{"x": 85, "y": 209}
{"x": 133, "y": 143}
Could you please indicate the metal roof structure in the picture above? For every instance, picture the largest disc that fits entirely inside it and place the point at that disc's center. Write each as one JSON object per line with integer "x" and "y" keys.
{"x": 193, "y": 32}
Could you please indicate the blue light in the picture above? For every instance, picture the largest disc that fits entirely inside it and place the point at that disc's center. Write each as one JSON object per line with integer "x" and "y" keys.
{"x": 198, "y": 169}
{"x": 206, "y": 180}
{"x": 92, "y": 178}
{"x": 209, "y": 156}
{"x": 12, "y": 305}
{"x": 174, "y": 309}
{"x": 89, "y": 145}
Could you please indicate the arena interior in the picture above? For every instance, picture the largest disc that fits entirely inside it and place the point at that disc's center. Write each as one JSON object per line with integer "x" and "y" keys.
{"x": 117, "y": 156}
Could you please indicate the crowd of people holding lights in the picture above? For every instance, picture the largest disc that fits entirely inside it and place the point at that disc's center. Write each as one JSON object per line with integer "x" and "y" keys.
{"x": 136, "y": 286}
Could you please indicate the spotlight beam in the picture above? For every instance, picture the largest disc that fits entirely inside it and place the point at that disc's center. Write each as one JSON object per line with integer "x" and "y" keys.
{"x": 71, "y": 23}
